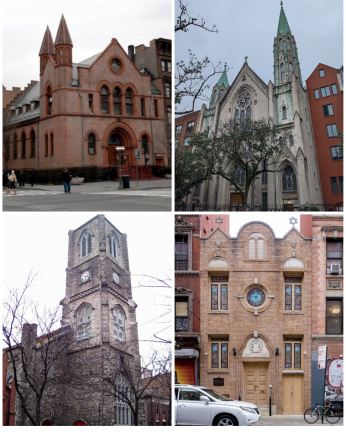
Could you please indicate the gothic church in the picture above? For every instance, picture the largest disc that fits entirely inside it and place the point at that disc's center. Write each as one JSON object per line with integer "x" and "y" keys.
{"x": 285, "y": 101}
{"x": 99, "y": 310}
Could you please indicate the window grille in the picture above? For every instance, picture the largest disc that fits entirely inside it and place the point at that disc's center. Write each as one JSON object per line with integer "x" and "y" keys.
{"x": 334, "y": 89}
{"x": 86, "y": 244}
{"x": 317, "y": 94}
{"x": 321, "y": 73}
{"x": 336, "y": 154}
{"x": 325, "y": 91}
{"x": 119, "y": 325}
{"x": 84, "y": 323}
{"x": 113, "y": 245}
{"x": 332, "y": 130}
{"x": 122, "y": 409}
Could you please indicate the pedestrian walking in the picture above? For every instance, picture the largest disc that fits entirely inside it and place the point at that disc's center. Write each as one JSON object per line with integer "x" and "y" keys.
{"x": 12, "y": 185}
{"x": 5, "y": 179}
{"x": 66, "y": 176}
{"x": 21, "y": 178}
{"x": 32, "y": 177}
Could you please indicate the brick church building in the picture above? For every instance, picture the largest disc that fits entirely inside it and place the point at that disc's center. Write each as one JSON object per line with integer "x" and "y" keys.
{"x": 77, "y": 114}
{"x": 97, "y": 337}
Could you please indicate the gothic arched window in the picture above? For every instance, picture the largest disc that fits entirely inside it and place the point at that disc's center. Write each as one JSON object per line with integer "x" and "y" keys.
{"x": 288, "y": 43}
{"x": 119, "y": 324}
{"x": 122, "y": 409}
{"x": 113, "y": 245}
{"x": 129, "y": 101}
{"x": 32, "y": 144}
{"x": 15, "y": 146}
{"x": 86, "y": 244}
{"x": 243, "y": 108}
{"x": 49, "y": 101}
{"x": 221, "y": 95}
{"x": 280, "y": 44}
{"x": 104, "y": 100}
{"x": 212, "y": 98}
{"x": 84, "y": 321}
{"x": 282, "y": 68}
{"x": 145, "y": 144}
{"x": 284, "y": 112}
{"x": 239, "y": 174}
{"x": 117, "y": 100}
{"x": 290, "y": 68}
{"x": 248, "y": 113}
{"x": 291, "y": 140}
{"x": 23, "y": 145}
{"x": 242, "y": 119}
{"x": 236, "y": 117}
{"x": 91, "y": 143}
{"x": 289, "y": 182}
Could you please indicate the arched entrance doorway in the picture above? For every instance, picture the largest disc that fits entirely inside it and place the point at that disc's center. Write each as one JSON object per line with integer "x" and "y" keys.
{"x": 119, "y": 136}
{"x": 114, "y": 142}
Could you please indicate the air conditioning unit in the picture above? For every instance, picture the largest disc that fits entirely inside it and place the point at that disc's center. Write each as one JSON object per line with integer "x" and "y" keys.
{"x": 137, "y": 154}
{"x": 335, "y": 269}
{"x": 91, "y": 151}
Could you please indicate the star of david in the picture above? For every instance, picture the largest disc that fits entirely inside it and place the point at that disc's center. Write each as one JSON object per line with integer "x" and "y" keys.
{"x": 219, "y": 221}
{"x": 293, "y": 221}
{"x": 256, "y": 297}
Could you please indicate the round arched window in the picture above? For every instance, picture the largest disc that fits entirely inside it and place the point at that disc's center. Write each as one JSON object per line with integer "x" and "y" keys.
{"x": 114, "y": 139}
{"x": 256, "y": 297}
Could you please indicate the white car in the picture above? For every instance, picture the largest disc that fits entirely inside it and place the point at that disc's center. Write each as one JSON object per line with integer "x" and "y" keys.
{"x": 201, "y": 406}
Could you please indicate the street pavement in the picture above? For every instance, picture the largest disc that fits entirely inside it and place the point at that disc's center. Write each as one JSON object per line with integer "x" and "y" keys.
{"x": 291, "y": 420}
{"x": 151, "y": 195}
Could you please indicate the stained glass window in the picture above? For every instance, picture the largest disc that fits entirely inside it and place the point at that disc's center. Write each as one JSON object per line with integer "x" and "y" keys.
{"x": 288, "y": 297}
{"x": 288, "y": 356}
{"x": 252, "y": 244}
{"x": 297, "y": 356}
{"x": 280, "y": 44}
{"x": 289, "y": 182}
{"x": 288, "y": 43}
{"x": 256, "y": 297}
{"x": 282, "y": 68}
{"x": 260, "y": 249}
{"x": 214, "y": 297}
{"x": 297, "y": 297}
{"x": 224, "y": 356}
{"x": 224, "y": 297}
{"x": 215, "y": 355}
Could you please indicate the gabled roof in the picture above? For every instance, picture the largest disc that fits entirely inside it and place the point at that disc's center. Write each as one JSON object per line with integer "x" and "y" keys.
{"x": 63, "y": 36}
{"x": 47, "y": 43}
{"x": 283, "y": 27}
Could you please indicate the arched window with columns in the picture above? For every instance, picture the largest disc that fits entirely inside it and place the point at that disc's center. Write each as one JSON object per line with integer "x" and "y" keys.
{"x": 117, "y": 100}
{"x": 129, "y": 101}
{"x": 104, "y": 100}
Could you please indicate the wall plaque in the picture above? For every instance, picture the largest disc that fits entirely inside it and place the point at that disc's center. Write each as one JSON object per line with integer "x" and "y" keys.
{"x": 334, "y": 284}
{"x": 219, "y": 382}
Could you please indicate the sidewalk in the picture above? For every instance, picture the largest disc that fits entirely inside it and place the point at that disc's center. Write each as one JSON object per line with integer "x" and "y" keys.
{"x": 291, "y": 420}
{"x": 102, "y": 186}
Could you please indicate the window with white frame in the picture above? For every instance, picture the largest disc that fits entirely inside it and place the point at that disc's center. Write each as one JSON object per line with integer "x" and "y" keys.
{"x": 84, "y": 322}
{"x": 325, "y": 91}
{"x": 219, "y": 353}
{"x": 334, "y": 89}
{"x": 332, "y": 130}
{"x": 219, "y": 293}
{"x": 328, "y": 110}
{"x": 321, "y": 73}
{"x": 336, "y": 153}
{"x": 317, "y": 93}
{"x": 86, "y": 244}
{"x": 293, "y": 294}
{"x": 122, "y": 409}
{"x": 119, "y": 324}
{"x": 178, "y": 129}
{"x": 113, "y": 245}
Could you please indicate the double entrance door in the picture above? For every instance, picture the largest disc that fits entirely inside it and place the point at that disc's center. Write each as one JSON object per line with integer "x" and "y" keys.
{"x": 256, "y": 385}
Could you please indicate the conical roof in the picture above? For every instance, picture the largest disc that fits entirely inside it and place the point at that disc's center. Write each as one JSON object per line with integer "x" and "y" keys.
{"x": 283, "y": 27}
{"x": 223, "y": 78}
{"x": 63, "y": 36}
{"x": 47, "y": 43}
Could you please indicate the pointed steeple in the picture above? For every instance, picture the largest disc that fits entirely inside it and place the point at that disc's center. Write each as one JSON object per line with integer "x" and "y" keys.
{"x": 283, "y": 27}
{"x": 223, "y": 78}
{"x": 63, "y": 36}
{"x": 47, "y": 44}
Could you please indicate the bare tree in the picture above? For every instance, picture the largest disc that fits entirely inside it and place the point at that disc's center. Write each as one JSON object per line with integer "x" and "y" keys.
{"x": 32, "y": 357}
{"x": 192, "y": 77}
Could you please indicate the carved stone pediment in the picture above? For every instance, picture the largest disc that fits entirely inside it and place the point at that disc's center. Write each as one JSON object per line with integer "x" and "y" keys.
{"x": 181, "y": 290}
{"x": 334, "y": 284}
{"x": 218, "y": 262}
{"x": 256, "y": 347}
{"x": 182, "y": 225}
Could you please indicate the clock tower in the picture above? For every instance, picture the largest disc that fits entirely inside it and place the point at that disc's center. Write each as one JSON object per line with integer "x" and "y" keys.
{"x": 98, "y": 302}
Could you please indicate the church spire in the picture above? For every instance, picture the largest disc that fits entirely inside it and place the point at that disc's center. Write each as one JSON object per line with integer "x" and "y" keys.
{"x": 223, "y": 78}
{"x": 283, "y": 27}
{"x": 63, "y": 36}
{"x": 47, "y": 43}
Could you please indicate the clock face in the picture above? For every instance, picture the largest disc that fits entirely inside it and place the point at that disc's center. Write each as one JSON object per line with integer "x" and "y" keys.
{"x": 85, "y": 276}
{"x": 115, "y": 277}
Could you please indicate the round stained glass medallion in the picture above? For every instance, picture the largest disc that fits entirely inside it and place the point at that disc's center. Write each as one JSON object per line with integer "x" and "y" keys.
{"x": 214, "y": 290}
{"x": 288, "y": 348}
{"x": 116, "y": 65}
{"x": 224, "y": 348}
{"x": 288, "y": 290}
{"x": 224, "y": 290}
{"x": 297, "y": 290}
{"x": 214, "y": 348}
{"x": 256, "y": 297}
{"x": 297, "y": 349}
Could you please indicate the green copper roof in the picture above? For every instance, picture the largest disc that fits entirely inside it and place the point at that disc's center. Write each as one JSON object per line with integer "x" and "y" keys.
{"x": 223, "y": 78}
{"x": 283, "y": 27}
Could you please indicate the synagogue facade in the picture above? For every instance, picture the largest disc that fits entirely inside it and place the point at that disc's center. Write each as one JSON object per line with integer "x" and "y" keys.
{"x": 255, "y": 310}
{"x": 77, "y": 114}
{"x": 284, "y": 101}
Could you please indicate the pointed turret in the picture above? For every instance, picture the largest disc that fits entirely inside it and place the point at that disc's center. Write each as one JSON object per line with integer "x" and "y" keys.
{"x": 63, "y": 36}
{"x": 47, "y": 46}
{"x": 223, "y": 78}
{"x": 283, "y": 27}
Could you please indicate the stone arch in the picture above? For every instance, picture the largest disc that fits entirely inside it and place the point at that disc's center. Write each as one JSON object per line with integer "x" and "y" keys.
{"x": 261, "y": 336}
{"x": 84, "y": 304}
{"x": 132, "y": 87}
{"x": 128, "y": 138}
{"x": 47, "y": 85}
{"x": 293, "y": 263}
{"x": 118, "y": 84}
{"x": 120, "y": 308}
{"x": 144, "y": 133}
{"x": 93, "y": 131}
{"x": 218, "y": 262}
{"x": 104, "y": 83}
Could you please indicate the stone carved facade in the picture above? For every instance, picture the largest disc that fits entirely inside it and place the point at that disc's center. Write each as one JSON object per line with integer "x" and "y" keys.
{"x": 255, "y": 347}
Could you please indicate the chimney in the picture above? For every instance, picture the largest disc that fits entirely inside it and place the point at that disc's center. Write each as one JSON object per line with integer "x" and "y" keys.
{"x": 131, "y": 51}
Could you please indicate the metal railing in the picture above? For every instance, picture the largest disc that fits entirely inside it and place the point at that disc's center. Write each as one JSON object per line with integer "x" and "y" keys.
{"x": 268, "y": 208}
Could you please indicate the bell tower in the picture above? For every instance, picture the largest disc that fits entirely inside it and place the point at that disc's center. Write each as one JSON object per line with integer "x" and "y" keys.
{"x": 47, "y": 49}
{"x": 63, "y": 50}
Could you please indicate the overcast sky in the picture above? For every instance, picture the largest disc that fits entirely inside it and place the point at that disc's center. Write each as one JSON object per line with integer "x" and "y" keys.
{"x": 248, "y": 28}
{"x": 92, "y": 25}
{"x": 40, "y": 240}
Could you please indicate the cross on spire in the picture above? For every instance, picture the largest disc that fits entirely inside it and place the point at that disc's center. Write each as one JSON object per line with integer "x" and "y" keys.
{"x": 281, "y": 3}
{"x": 246, "y": 57}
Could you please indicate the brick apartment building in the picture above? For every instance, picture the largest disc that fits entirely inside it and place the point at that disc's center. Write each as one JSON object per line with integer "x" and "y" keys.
{"x": 157, "y": 400}
{"x": 78, "y": 113}
{"x": 326, "y": 232}
{"x": 185, "y": 127}
{"x": 325, "y": 93}
{"x": 157, "y": 60}
{"x": 8, "y": 394}
{"x": 255, "y": 310}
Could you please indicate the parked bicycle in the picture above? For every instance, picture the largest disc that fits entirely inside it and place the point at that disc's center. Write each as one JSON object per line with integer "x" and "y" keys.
{"x": 332, "y": 413}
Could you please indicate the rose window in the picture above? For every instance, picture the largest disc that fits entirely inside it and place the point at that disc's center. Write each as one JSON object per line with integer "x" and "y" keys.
{"x": 256, "y": 297}
{"x": 244, "y": 100}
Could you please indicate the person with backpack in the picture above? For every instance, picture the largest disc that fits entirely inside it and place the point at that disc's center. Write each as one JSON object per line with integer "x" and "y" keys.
{"x": 12, "y": 183}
